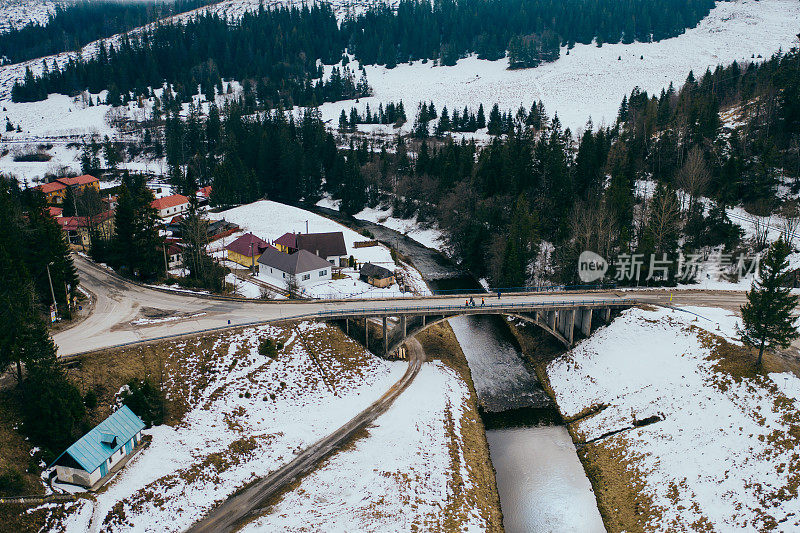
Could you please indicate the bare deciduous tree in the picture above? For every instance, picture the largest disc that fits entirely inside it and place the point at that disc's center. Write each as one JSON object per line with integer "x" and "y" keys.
{"x": 593, "y": 227}
{"x": 663, "y": 218}
{"x": 760, "y": 231}
{"x": 693, "y": 177}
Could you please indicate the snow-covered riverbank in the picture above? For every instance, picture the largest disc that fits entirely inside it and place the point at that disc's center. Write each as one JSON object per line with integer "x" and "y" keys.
{"x": 684, "y": 434}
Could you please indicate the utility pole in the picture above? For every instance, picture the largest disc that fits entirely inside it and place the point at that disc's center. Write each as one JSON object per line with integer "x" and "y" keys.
{"x": 252, "y": 259}
{"x": 52, "y": 292}
{"x": 166, "y": 264}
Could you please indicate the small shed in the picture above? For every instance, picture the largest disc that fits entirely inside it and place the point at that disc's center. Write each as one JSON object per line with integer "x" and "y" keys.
{"x": 376, "y": 275}
{"x": 92, "y": 457}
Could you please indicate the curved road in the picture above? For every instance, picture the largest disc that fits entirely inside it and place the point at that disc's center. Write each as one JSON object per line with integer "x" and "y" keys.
{"x": 248, "y": 503}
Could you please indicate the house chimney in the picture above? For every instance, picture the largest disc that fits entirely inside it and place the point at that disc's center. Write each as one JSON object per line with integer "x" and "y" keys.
{"x": 306, "y": 226}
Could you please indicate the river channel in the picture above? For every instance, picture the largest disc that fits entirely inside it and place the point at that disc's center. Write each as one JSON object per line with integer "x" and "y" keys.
{"x": 540, "y": 480}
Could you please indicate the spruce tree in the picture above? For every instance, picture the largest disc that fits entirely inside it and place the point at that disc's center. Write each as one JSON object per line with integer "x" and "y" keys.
{"x": 52, "y": 406}
{"x": 767, "y": 320}
{"x": 495, "y": 124}
{"x": 136, "y": 245}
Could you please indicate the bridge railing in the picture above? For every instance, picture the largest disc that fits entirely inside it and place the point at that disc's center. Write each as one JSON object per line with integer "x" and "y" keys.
{"x": 530, "y": 288}
{"x": 412, "y": 309}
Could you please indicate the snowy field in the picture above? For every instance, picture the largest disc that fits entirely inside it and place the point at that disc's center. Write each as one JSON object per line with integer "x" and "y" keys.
{"x": 269, "y": 220}
{"x": 251, "y": 418}
{"x": 722, "y": 451}
{"x": 401, "y": 477}
{"x": 590, "y": 81}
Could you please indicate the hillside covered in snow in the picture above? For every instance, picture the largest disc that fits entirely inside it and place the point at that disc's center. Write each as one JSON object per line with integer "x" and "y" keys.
{"x": 677, "y": 429}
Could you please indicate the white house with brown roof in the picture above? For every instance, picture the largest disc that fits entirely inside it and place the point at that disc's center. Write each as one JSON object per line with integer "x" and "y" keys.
{"x": 169, "y": 207}
{"x": 276, "y": 267}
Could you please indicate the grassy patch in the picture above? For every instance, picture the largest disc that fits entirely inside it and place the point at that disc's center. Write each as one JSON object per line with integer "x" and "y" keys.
{"x": 620, "y": 491}
{"x": 16, "y": 463}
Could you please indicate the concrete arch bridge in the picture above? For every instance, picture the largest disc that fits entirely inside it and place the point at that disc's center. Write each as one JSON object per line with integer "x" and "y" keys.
{"x": 384, "y": 330}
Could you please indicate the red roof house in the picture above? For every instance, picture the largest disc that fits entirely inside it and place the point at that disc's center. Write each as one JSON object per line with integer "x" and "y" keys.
{"x": 170, "y": 206}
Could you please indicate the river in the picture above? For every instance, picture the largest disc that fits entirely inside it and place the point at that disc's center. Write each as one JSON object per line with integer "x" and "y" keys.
{"x": 540, "y": 480}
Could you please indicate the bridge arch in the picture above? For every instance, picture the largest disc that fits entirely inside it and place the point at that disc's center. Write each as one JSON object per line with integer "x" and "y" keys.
{"x": 559, "y": 320}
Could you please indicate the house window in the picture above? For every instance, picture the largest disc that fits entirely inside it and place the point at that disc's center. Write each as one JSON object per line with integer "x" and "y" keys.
{"x": 323, "y": 273}
{"x": 284, "y": 274}
{"x": 306, "y": 277}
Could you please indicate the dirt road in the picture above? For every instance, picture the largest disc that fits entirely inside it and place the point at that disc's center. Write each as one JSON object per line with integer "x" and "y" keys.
{"x": 248, "y": 503}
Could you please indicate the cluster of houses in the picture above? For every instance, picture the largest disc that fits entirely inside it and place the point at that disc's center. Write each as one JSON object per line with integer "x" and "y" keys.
{"x": 300, "y": 258}
{"x": 77, "y": 229}
{"x": 170, "y": 210}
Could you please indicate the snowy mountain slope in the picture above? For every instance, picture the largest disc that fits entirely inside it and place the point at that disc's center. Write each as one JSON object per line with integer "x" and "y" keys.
{"x": 402, "y": 477}
{"x": 231, "y": 9}
{"x": 590, "y": 81}
{"x": 18, "y": 13}
{"x": 254, "y": 414}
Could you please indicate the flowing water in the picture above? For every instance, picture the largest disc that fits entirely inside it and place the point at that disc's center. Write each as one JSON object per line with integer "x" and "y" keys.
{"x": 541, "y": 482}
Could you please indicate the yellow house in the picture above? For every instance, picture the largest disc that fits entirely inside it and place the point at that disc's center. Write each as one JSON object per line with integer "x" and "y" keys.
{"x": 246, "y": 250}
{"x": 56, "y": 190}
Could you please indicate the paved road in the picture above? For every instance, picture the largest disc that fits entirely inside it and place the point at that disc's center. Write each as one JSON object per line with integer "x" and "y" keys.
{"x": 249, "y": 503}
{"x": 122, "y": 309}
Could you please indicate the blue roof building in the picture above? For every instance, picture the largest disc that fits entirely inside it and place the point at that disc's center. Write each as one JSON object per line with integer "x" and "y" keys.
{"x": 90, "y": 460}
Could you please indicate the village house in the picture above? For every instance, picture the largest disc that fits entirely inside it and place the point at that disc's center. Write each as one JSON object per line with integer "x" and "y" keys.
{"x": 56, "y": 190}
{"x": 218, "y": 229}
{"x": 246, "y": 250}
{"x": 204, "y": 195}
{"x": 90, "y": 460}
{"x": 329, "y": 246}
{"x": 215, "y": 229}
{"x": 376, "y": 276}
{"x": 77, "y": 230}
{"x": 168, "y": 207}
{"x": 174, "y": 253}
{"x": 277, "y": 268}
